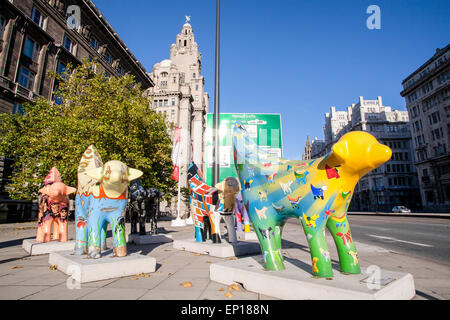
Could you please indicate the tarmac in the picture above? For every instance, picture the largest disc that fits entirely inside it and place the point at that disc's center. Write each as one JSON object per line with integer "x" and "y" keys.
{"x": 182, "y": 275}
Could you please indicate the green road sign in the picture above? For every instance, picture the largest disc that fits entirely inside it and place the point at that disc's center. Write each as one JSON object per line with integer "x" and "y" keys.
{"x": 263, "y": 128}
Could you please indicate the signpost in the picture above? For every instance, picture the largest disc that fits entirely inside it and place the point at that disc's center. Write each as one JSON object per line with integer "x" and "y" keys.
{"x": 264, "y": 129}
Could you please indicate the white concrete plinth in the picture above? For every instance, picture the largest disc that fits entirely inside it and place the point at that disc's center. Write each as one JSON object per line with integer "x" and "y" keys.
{"x": 84, "y": 269}
{"x": 149, "y": 239}
{"x": 241, "y": 235}
{"x": 35, "y": 248}
{"x": 178, "y": 222}
{"x": 297, "y": 283}
{"x": 221, "y": 250}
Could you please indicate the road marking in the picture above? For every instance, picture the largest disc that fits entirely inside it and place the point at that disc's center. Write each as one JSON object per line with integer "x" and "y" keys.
{"x": 404, "y": 241}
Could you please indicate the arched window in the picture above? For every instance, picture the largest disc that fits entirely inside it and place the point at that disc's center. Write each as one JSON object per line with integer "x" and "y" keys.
{"x": 164, "y": 74}
{"x": 185, "y": 43}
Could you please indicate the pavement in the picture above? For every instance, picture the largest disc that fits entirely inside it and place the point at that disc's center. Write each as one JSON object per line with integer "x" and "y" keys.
{"x": 182, "y": 275}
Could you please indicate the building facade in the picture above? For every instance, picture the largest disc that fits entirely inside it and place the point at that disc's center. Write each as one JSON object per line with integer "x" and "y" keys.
{"x": 427, "y": 95}
{"x": 37, "y": 36}
{"x": 393, "y": 183}
{"x": 307, "y": 152}
{"x": 179, "y": 93}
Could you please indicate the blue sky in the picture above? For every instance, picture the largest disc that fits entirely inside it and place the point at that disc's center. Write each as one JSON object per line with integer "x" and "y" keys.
{"x": 293, "y": 57}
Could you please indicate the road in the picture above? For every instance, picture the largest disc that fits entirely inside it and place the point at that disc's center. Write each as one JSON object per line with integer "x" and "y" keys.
{"x": 421, "y": 237}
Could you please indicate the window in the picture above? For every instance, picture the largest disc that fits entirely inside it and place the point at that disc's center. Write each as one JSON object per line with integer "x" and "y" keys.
{"x": 174, "y": 79}
{"x": 94, "y": 43}
{"x": 108, "y": 57}
{"x": 163, "y": 84}
{"x": 196, "y": 87}
{"x": 37, "y": 17}
{"x": 60, "y": 69}
{"x": 31, "y": 49}
{"x": 120, "y": 70}
{"x": 69, "y": 45}
{"x": 17, "y": 108}
{"x": 166, "y": 102}
{"x": 173, "y": 101}
{"x": 193, "y": 75}
{"x": 26, "y": 78}
{"x": 164, "y": 75}
{"x": 2, "y": 26}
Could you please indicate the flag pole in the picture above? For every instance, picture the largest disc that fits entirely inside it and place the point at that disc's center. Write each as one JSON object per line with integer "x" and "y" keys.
{"x": 178, "y": 222}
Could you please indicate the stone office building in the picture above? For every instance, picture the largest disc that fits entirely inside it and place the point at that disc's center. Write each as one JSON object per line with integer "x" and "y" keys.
{"x": 427, "y": 95}
{"x": 35, "y": 37}
{"x": 179, "y": 93}
{"x": 393, "y": 183}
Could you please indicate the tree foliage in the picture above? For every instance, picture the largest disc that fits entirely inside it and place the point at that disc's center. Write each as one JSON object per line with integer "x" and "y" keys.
{"x": 109, "y": 112}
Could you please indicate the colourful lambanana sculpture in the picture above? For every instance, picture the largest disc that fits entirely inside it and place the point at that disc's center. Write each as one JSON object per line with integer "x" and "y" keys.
{"x": 211, "y": 204}
{"x": 205, "y": 203}
{"x": 53, "y": 208}
{"x": 103, "y": 200}
{"x": 317, "y": 192}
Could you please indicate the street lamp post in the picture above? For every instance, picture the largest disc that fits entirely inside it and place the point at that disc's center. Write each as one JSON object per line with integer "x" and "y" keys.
{"x": 216, "y": 162}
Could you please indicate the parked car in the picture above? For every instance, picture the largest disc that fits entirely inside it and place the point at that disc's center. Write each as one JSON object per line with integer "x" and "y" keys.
{"x": 401, "y": 209}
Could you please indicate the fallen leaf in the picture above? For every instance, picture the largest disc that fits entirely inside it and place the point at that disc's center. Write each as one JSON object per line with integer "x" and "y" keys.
{"x": 228, "y": 294}
{"x": 232, "y": 258}
{"x": 208, "y": 261}
{"x": 145, "y": 275}
{"x": 221, "y": 289}
{"x": 197, "y": 254}
{"x": 186, "y": 284}
{"x": 134, "y": 278}
{"x": 170, "y": 273}
{"x": 234, "y": 287}
{"x": 25, "y": 259}
{"x": 16, "y": 267}
{"x": 165, "y": 261}
{"x": 53, "y": 267}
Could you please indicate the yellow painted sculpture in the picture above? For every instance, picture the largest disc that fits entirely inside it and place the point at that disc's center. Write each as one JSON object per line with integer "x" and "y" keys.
{"x": 317, "y": 192}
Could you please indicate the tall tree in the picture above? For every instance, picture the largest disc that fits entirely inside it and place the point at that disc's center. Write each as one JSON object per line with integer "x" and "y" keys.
{"x": 89, "y": 108}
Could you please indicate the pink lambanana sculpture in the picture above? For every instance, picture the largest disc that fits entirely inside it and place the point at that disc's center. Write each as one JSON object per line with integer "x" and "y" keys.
{"x": 53, "y": 208}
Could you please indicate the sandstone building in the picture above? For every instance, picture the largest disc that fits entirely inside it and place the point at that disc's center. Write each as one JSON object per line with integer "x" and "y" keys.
{"x": 427, "y": 95}
{"x": 179, "y": 93}
{"x": 393, "y": 183}
{"x": 37, "y": 36}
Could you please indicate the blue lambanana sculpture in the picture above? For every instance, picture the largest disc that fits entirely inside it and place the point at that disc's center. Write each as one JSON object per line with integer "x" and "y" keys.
{"x": 101, "y": 200}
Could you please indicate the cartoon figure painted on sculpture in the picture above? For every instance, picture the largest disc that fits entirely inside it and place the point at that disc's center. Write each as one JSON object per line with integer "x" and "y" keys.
{"x": 317, "y": 192}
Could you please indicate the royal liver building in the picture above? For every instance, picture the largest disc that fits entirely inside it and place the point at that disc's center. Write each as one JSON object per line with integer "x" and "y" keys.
{"x": 179, "y": 94}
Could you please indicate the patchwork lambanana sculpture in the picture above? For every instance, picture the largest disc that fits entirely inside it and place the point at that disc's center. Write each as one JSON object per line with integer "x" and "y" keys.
{"x": 317, "y": 192}
{"x": 101, "y": 200}
{"x": 53, "y": 208}
{"x": 211, "y": 204}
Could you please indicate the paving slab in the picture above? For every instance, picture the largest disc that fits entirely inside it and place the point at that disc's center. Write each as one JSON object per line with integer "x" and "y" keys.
{"x": 114, "y": 294}
{"x": 18, "y": 292}
{"x": 61, "y": 292}
{"x": 296, "y": 283}
{"x": 247, "y": 236}
{"x": 84, "y": 269}
{"x": 221, "y": 250}
{"x": 36, "y": 248}
{"x": 149, "y": 239}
